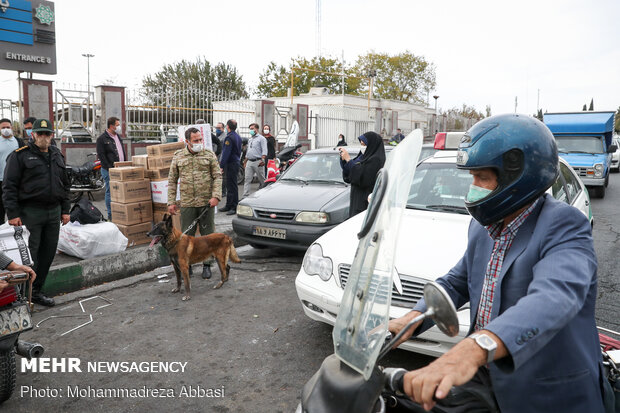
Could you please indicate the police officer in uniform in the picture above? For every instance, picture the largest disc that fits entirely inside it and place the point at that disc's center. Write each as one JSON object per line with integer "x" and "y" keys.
{"x": 201, "y": 187}
{"x": 35, "y": 192}
{"x": 231, "y": 155}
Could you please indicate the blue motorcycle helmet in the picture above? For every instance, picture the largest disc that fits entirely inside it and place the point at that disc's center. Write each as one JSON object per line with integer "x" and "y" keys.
{"x": 522, "y": 152}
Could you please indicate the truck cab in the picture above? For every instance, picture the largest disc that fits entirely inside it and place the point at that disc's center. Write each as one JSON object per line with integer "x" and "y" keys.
{"x": 584, "y": 140}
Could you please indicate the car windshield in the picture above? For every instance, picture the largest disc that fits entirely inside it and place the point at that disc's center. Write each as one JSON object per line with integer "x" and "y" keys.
{"x": 427, "y": 151}
{"x": 439, "y": 187}
{"x": 317, "y": 167}
{"x": 580, "y": 144}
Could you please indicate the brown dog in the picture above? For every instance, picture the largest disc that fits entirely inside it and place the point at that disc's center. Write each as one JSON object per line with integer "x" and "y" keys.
{"x": 185, "y": 250}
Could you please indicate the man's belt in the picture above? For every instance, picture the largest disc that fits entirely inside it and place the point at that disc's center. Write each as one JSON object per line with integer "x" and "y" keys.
{"x": 255, "y": 159}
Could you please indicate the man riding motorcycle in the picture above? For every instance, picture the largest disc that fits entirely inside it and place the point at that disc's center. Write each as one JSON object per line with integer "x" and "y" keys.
{"x": 529, "y": 274}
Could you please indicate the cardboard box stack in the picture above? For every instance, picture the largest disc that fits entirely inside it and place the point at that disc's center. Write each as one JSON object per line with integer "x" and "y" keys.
{"x": 156, "y": 164}
{"x": 132, "y": 210}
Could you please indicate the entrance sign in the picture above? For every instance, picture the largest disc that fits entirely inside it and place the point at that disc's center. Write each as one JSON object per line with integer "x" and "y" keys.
{"x": 28, "y": 36}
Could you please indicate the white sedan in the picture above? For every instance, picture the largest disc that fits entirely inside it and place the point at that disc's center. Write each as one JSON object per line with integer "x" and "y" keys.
{"x": 433, "y": 237}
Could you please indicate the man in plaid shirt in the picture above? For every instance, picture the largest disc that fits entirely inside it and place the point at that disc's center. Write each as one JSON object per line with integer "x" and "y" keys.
{"x": 529, "y": 274}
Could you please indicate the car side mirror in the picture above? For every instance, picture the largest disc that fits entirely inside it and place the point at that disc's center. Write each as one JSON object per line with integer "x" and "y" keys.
{"x": 612, "y": 148}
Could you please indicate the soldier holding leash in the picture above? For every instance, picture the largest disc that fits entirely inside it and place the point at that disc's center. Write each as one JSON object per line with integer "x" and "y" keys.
{"x": 201, "y": 187}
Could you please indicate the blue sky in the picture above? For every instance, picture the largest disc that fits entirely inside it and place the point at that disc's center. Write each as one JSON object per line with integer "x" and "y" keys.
{"x": 485, "y": 52}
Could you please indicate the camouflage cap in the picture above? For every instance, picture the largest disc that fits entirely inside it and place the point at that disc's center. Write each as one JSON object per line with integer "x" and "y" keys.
{"x": 42, "y": 125}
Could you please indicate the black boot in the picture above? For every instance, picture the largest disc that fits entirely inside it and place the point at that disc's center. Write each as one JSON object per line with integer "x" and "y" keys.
{"x": 206, "y": 272}
{"x": 39, "y": 298}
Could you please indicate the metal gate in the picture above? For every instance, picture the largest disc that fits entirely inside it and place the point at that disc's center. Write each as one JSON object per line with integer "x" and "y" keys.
{"x": 74, "y": 112}
{"x": 334, "y": 120}
{"x": 151, "y": 112}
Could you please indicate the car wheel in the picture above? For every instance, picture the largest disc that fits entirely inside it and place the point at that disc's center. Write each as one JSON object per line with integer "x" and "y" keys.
{"x": 241, "y": 175}
{"x": 597, "y": 191}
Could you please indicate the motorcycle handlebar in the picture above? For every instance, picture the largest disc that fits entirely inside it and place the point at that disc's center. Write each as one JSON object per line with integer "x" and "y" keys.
{"x": 394, "y": 379}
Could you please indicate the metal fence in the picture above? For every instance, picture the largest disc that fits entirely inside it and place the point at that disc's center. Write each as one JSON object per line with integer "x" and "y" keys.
{"x": 151, "y": 112}
{"x": 330, "y": 121}
{"x": 9, "y": 110}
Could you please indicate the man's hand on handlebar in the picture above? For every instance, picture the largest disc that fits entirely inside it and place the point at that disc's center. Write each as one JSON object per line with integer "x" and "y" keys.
{"x": 3, "y": 285}
{"x": 398, "y": 324}
{"x": 458, "y": 366}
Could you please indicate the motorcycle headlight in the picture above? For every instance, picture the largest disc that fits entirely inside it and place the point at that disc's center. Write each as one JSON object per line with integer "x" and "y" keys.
{"x": 316, "y": 264}
{"x": 244, "y": 211}
{"x": 312, "y": 217}
{"x": 598, "y": 170}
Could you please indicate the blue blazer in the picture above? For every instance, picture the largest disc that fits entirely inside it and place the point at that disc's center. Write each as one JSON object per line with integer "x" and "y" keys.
{"x": 543, "y": 311}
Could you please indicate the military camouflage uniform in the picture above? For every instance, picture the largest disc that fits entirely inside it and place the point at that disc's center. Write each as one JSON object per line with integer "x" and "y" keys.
{"x": 201, "y": 180}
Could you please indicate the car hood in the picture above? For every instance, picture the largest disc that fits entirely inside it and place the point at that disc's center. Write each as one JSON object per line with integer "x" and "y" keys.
{"x": 295, "y": 196}
{"x": 429, "y": 243}
{"x": 583, "y": 159}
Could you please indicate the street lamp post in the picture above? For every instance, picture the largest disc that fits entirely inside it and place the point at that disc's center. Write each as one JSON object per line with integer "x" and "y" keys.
{"x": 436, "y": 97}
{"x": 88, "y": 56}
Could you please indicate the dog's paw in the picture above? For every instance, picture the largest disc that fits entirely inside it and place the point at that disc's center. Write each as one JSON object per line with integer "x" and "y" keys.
{"x": 175, "y": 290}
{"x": 186, "y": 298}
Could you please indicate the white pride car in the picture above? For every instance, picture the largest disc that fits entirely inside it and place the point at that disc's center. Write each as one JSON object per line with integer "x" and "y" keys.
{"x": 431, "y": 240}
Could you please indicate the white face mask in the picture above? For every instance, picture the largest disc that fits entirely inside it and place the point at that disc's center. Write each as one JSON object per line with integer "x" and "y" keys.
{"x": 197, "y": 147}
{"x": 266, "y": 131}
{"x": 118, "y": 130}
{"x": 363, "y": 149}
{"x": 7, "y": 132}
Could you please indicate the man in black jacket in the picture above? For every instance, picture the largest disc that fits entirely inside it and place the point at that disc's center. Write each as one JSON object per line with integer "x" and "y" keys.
{"x": 109, "y": 150}
{"x": 35, "y": 192}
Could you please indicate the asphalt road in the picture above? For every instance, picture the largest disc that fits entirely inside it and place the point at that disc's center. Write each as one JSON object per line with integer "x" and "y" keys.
{"x": 249, "y": 338}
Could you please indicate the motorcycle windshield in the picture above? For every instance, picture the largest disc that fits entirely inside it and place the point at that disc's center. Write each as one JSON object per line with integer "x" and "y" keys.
{"x": 361, "y": 325}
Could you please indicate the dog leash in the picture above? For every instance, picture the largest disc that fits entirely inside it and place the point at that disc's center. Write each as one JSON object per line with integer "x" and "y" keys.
{"x": 196, "y": 220}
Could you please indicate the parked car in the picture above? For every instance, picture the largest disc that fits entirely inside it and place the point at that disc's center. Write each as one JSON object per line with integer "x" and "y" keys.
{"x": 433, "y": 237}
{"x": 309, "y": 199}
{"x": 615, "y": 157}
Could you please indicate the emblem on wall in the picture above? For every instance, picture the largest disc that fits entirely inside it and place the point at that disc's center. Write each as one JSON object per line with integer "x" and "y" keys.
{"x": 44, "y": 14}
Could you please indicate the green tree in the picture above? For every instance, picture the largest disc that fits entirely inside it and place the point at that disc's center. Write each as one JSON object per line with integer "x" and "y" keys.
{"x": 199, "y": 74}
{"x": 403, "y": 76}
{"x": 275, "y": 80}
{"x": 617, "y": 121}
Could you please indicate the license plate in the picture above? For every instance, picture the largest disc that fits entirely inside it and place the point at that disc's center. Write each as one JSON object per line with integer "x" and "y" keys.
{"x": 14, "y": 320}
{"x": 269, "y": 232}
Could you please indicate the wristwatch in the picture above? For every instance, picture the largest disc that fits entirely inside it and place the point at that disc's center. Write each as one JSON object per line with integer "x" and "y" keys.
{"x": 487, "y": 343}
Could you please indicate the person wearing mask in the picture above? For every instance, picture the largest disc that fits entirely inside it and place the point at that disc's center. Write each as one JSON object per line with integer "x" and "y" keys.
{"x": 109, "y": 150}
{"x": 271, "y": 144}
{"x": 529, "y": 276}
{"x": 341, "y": 140}
{"x": 28, "y": 122}
{"x": 8, "y": 143}
{"x": 361, "y": 171}
{"x": 40, "y": 167}
{"x": 231, "y": 155}
{"x": 255, "y": 159}
{"x": 201, "y": 187}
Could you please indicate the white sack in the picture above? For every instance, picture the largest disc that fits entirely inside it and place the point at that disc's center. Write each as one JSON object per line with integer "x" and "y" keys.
{"x": 91, "y": 240}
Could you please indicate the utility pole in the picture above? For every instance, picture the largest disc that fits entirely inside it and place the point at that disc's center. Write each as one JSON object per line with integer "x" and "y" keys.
{"x": 436, "y": 117}
{"x": 515, "y": 104}
{"x": 318, "y": 28}
{"x": 343, "y": 76}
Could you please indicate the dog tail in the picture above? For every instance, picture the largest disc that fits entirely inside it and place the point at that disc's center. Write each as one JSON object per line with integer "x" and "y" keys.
{"x": 233, "y": 254}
